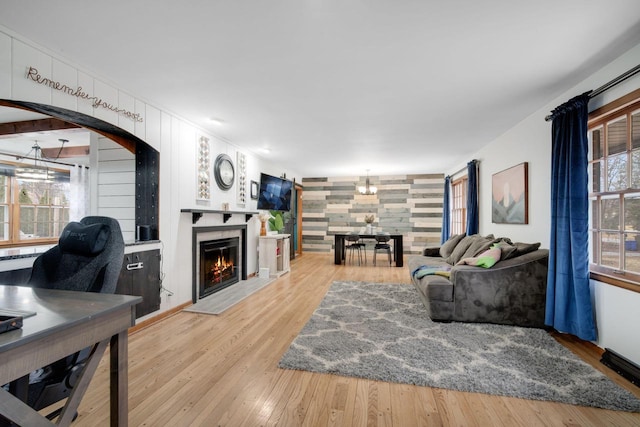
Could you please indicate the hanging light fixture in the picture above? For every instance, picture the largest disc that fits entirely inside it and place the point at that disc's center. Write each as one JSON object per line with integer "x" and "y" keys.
{"x": 39, "y": 171}
{"x": 368, "y": 189}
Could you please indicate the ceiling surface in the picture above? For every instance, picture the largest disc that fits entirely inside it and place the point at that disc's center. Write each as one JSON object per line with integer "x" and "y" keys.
{"x": 335, "y": 88}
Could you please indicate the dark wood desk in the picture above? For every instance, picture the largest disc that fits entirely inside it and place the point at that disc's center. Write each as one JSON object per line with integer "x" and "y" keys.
{"x": 397, "y": 247}
{"x": 65, "y": 323}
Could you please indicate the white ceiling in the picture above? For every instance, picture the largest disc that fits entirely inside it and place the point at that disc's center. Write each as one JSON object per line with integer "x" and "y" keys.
{"x": 22, "y": 144}
{"x": 336, "y": 87}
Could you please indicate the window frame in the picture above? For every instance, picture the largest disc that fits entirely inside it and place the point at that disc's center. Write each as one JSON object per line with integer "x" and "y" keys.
{"x": 626, "y": 107}
{"x": 13, "y": 210}
{"x": 459, "y": 188}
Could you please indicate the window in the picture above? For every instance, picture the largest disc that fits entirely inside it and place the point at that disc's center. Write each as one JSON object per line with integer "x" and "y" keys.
{"x": 614, "y": 138}
{"x": 34, "y": 204}
{"x": 459, "y": 206}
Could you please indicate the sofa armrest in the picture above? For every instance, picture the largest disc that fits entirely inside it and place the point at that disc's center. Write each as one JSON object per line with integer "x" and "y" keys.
{"x": 512, "y": 292}
{"x": 433, "y": 251}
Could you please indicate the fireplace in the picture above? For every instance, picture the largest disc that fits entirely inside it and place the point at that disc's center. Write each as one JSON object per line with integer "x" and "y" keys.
{"x": 219, "y": 258}
{"x": 218, "y": 265}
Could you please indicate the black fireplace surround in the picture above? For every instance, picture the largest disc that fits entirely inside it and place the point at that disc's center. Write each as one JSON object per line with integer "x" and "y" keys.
{"x": 213, "y": 271}
{"x": 218, "y": 265}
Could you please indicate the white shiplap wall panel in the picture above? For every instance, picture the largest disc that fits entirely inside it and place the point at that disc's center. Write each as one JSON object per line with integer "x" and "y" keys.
{"x": 128, "y": 103}
{"x": 142, "y": 128}
{"x": 113, "y": 166}
{"x": 107, "y": 94}
{"x": 116, "y": 185}
{"x": 117, "y": 190}
{"x": 5, "y": 66}
{"x": 116, "y": 201}
{"x": 85, "y": 82}
{"x": 65, "y": 74}
{"x": 153, "y": 127}
{"x": 113, "y": 153}
{"x": 25, "y": 89}
{"x": 117, "y": 178}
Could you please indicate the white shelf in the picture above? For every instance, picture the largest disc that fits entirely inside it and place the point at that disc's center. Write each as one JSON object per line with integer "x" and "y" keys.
{"x": 273, "y": 247}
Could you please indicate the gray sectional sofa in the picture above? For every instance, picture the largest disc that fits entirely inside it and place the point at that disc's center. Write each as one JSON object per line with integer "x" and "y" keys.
{"x": 510, "y": 292}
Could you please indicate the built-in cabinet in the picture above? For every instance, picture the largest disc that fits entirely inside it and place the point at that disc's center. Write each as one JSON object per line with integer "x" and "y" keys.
{"x": 140, "y": 275}
{"x": 274, "y": 253}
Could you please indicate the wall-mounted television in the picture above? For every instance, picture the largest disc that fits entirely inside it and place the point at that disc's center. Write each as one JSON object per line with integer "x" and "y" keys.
{"x": 275, "y": 193}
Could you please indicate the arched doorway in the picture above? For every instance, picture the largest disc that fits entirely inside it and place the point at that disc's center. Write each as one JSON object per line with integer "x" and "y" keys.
{"x": 147, "y": 159}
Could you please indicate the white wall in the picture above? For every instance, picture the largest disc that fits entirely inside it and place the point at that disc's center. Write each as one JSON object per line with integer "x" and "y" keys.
{"x": 172, "y": 136}
{"x": 616, "y": 309}
{"x": 114, "y": 186}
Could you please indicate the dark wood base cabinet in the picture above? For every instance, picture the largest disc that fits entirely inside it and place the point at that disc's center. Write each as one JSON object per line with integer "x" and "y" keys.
{"x": 140, "y": 275}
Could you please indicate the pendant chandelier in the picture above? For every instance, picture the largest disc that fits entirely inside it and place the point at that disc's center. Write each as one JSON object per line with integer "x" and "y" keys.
{"x": 367, "y": 189}
{"x": 39, "y": 171}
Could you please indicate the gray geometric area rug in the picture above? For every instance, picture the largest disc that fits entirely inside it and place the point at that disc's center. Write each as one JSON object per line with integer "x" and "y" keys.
{"x": 223, "y": 300}
{"x": 381, "y": 331}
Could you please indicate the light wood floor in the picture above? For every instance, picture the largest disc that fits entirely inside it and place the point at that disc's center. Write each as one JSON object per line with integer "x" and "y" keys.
{"x": 203, "y": 370}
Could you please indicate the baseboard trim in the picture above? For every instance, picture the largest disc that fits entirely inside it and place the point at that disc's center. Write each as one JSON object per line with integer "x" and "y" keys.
{"x": 159, "y": 317}
{"x": 621, "y": 365}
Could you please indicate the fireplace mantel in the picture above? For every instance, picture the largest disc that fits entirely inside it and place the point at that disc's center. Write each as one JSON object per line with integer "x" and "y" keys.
{"x": 196, "y": 214}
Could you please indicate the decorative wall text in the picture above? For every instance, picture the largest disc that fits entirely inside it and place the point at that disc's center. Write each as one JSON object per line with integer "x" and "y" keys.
{"x": 32, "y": 74}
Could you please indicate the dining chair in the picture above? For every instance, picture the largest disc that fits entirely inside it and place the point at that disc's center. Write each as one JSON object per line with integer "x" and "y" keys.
{"x": 354, "y": 244}
{"x": 382, "y": 244}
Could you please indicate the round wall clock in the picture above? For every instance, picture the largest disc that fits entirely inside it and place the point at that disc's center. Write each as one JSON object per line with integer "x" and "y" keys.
{"x": 224, "y": 172}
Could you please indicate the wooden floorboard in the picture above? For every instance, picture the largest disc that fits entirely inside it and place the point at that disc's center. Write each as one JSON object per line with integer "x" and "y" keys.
{"x": 193, "y": 369}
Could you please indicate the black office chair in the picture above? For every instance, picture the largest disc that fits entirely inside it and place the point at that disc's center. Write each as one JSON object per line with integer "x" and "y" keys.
{"x": 382, "y": 244}
{"x": 88, "y": 258}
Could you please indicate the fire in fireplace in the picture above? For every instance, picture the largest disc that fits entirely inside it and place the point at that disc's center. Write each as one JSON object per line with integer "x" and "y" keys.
{"x": 218, "y": 265}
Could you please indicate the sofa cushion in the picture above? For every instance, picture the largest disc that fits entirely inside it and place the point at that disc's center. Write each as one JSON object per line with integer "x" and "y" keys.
{"x": 479, "y": 245}
{"x": 447, "y": 247}
{"x": 435, "y": 288}
{"x": 525, "y": 248}
{"x": 431, "y": 251}
{"x": 506, "y": 248}
{"x": 460, "y": 250}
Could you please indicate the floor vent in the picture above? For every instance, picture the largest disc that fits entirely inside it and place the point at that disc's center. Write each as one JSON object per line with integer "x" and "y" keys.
{"x": 623, "y": 366}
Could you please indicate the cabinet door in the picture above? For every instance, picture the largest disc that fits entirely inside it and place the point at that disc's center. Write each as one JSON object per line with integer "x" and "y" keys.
{"x": 140, "y": 276}
{"x": 124, "y": 280}
{"x": 146, "y": 281}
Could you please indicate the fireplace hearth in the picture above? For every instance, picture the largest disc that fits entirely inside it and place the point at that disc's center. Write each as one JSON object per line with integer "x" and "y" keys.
{"x": 218, "y": 265}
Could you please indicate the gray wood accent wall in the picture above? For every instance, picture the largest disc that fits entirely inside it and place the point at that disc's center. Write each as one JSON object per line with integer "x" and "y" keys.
{"x": 410, "y": 205}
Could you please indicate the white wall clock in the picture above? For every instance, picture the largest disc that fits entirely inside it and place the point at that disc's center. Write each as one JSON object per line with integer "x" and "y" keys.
{"x": 224, "y": 171}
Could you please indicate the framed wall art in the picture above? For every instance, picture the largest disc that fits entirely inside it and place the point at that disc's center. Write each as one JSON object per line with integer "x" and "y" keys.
{"x": 510, "y": 195}
{"x": 241, "y": 163}
{"x": 254, "y": 190}
{"x": 203, "y": 171}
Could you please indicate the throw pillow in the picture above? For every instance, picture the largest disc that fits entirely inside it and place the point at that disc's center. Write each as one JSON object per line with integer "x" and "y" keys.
{"x": 447, "y": 247}
{"x": 486, "y": 259}
{"x": 460, "y": 250}
{"x": 83, "y": 239}
{"x": 525, "y": 248}
{"x": 506, "y": 248}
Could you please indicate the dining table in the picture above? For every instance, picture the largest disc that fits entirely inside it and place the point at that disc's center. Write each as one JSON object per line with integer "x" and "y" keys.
{"x": 339, "y": 246}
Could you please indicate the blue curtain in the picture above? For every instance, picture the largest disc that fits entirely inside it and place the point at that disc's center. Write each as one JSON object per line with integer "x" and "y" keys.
{"x": 473, "y": 220}
{"x": 568, "y": 306}
{"x": 446, "y": 211}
